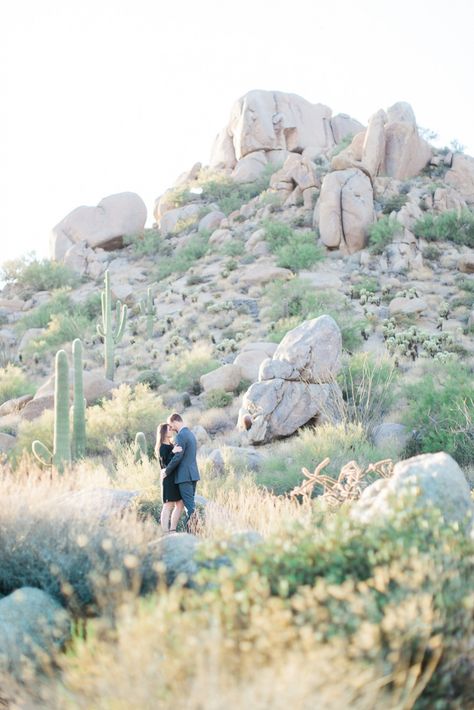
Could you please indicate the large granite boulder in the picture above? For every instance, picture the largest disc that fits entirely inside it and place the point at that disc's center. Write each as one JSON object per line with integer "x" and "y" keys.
{"x": 313, "y": 350}
{"x": 461, "y": 176}
{"x": 432, "y": 480}
{"x": 297, "y": 385}
{"x": 279, "y": 407}
{"x": 345, "y": 210}
{"x": 272, "y": 120}
{"x": 391, "y": 146}
{"x": 102, "y": 226}
{"x": 33, "y": 628}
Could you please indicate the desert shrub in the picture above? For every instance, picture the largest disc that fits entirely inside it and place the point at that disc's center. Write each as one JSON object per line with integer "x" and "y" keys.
{"x": 301, "y": 252}
{"x": 431, "y": 252}
{"x": 368, "y": 389}
{"x": 369, "y": 284}
{"x": 277, "y": 234}
{"x": 184, "y": 257}
{"x": 440, "y": 410}
{"x": 62, "y": 328}
{"x": 466, "y": 298}
{"x": 383, "y": 611}
{"x": 91, "y": 308}
{"x": 294, "y": 301}
{"x": 40, "y": 523}
{"x": 129, "y": 410}
{"x": 294, "y": 250}
{"x": 234, "y": 248}
{"x": 39, "y": 428}
{"x": 381, "y": 234}
{"x": 32, "y": 275}
{"x": 152, "y": 378}
{"x": 450, "y": 226}
{"x": 281, "y": 470}
{"x": 218, "y": 398}
{"x": 229, "y": 195}
{"x": 13, "y": 383}
{"x": 40, "y": 317}
{"x": 393, "y": 204}
{"x": 185, "y": 369}
{"x": 147, "y": 243}
{"x": 342, "y": 145}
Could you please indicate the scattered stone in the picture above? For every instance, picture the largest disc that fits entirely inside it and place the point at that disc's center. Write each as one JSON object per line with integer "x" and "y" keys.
{"x": 33, "y": 628}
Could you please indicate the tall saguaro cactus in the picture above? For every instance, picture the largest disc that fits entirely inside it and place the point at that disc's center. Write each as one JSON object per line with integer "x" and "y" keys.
{"x": 61, "y": 454}
{"x": 106, "y": 331}
{"x": 79, "y": 404}
{"x": 148, "y": 309}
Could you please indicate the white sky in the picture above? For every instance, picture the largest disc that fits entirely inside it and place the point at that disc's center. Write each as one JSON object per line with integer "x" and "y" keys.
{"x": 102, "y": 96}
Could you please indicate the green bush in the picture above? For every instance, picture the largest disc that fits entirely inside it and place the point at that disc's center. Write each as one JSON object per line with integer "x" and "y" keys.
{"x": 118, "y": 419}
{"x": 185, "y": 369}
{"x": 440, "y": 411}
{"x": 368, "y": 388}
{"x": 40, "y": 317}
{"x": 218, "y": 398}
{"x": 393, "y": 204}
{"x": 294, "y": 301}
{"x": 148, "y": 243}
{"x": 33, "y": 275}
{"x": 62, "y": 328}
{"x": 183, "y": 257}
{"x": 450, "y": 226}
{"x": 381, "y": 234}
{"x": 13, "y": 383}
{"x": 301, "y": 252}
{"x": 152, "y": 378}
{"x": 277, "y": 234}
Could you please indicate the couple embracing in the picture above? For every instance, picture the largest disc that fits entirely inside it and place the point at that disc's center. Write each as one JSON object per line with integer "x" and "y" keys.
{"x": 176, "y": 449}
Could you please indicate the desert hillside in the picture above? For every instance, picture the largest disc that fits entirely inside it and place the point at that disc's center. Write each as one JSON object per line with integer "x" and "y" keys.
{"x": 306, "y": 302}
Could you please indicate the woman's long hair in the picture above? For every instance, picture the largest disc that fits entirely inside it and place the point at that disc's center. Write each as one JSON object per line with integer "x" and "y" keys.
{"x": 161, "y": 432}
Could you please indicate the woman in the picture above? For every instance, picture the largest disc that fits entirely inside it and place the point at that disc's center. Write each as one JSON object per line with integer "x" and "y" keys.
{"x": 173, "y": 506}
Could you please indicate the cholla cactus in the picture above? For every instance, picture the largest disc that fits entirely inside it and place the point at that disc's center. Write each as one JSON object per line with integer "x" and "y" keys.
{"x": 347, "y": 487}
{"x": 110, "y": 336}
{"x": 148, "y": 309}
{"x": 61, "y": 454}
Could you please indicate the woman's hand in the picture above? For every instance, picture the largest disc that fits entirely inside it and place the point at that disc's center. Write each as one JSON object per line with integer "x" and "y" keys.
{"x": 177, "y": 449}
{"x": 163, "y": 473}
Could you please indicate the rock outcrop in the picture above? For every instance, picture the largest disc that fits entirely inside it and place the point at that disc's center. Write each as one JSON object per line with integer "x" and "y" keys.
{"x": 102, "y": 226}
{"x": 391, "y": 146}
{"x": 297, "y": 385}
{"x": 268, "y": 122}
{"x": 345, "y": 210}
{"x": 431, "y": 480}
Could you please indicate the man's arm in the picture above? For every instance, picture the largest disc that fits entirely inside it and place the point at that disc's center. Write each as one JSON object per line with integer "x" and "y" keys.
{"x": 175, "y": 461}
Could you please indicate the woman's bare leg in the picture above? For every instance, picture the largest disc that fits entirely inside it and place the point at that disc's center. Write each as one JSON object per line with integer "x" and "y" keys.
{"x": 165, "y": 516}
{"x": 176, "y": 514}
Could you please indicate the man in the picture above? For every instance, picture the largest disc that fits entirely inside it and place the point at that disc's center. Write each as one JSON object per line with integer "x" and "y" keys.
{"x": 185, "y": 464}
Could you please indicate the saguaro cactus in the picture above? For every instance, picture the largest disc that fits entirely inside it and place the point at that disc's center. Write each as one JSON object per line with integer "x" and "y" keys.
{"x": 148, "y": 309}
{"x": 62, "y": 448}
{"x": 140, "y": 446}
{"x": 79, "y": 405}
{"x": 105, "y": 330}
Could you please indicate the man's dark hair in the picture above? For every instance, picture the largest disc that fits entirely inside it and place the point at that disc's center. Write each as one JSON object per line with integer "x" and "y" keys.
{"x": 175, "y": 417}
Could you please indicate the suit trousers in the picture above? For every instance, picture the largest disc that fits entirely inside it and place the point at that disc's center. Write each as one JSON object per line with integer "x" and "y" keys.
{"x": 187, "y": 491}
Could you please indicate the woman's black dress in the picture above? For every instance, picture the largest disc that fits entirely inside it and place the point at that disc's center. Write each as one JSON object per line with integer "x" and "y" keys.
{"x": 170, "y": 488}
